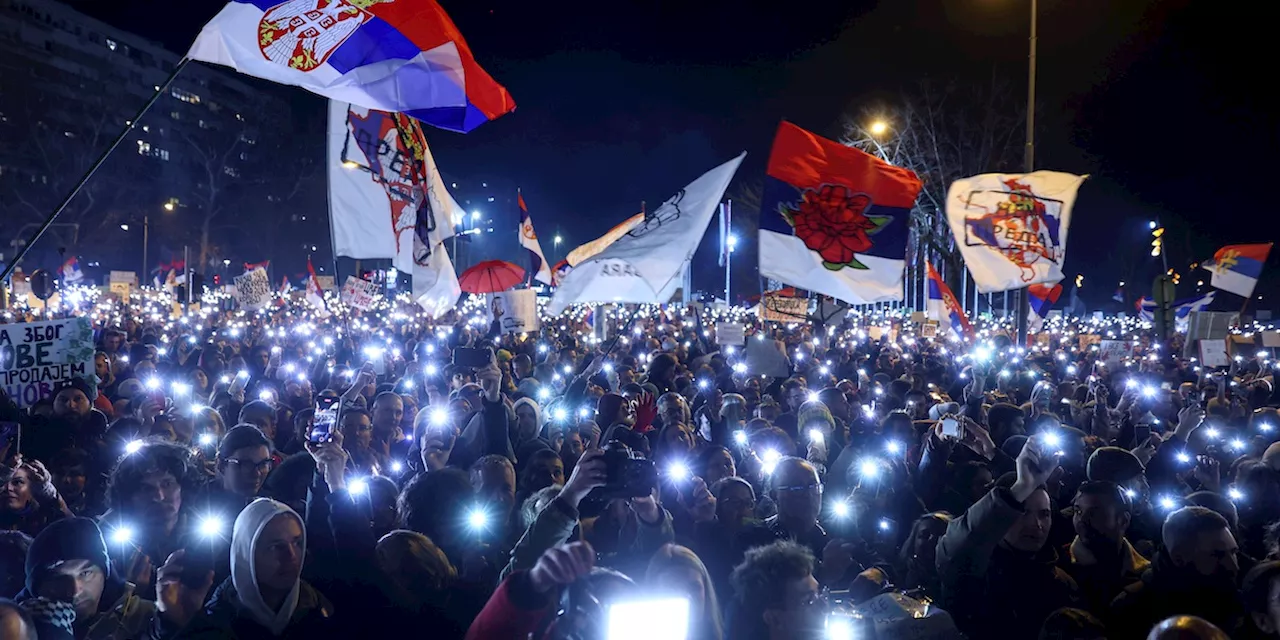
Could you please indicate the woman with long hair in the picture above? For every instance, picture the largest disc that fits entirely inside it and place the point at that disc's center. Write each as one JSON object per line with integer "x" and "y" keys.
{"x": 678, "y": 570}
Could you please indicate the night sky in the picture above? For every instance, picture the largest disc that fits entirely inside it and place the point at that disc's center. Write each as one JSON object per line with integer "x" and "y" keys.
{"x": 620, "y": 102}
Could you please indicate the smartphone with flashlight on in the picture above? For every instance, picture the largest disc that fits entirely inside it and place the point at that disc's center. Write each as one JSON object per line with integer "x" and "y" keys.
{"x": 661, "y": 619}
{"x": 326, "y": 416}
{"x": 951, "y": 427}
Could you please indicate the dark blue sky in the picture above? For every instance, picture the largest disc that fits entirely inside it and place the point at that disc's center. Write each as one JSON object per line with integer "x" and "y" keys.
{"x": 628, "y": 101}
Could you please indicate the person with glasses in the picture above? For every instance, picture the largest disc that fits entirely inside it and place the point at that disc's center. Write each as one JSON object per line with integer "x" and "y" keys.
{"x": 797, "y": 491}
{"x": 243, "y": 462}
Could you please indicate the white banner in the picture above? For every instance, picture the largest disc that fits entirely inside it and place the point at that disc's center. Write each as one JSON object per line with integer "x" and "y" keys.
{"x": 1012, "y": 228}
{"x": 382, "y": 178}
{"x": 645, "y": 264}
{"x": 253, "y": 289}
{"x": 516, "y": 311}
{"x": 359, "y": 293}
{"x": 38, "y": 356}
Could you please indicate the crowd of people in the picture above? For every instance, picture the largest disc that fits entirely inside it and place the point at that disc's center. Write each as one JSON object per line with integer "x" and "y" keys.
{"x": 275, "y": 474}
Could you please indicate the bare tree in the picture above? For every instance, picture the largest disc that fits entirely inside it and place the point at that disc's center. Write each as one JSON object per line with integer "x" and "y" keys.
{"x": 943, "y": 132}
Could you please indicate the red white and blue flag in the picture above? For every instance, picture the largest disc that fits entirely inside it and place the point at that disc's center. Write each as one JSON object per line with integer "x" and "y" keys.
{"x": 1041, "y": 298}
{"x": 943, "y": 306}
{"x": 538, "y": 269}
{"x": 1237, "y": 267}
{"x": 256, "y": 265}
{"x": 834, "y": 219}
{"x": 71, "y": 271}
{"x": 389, "y": 55}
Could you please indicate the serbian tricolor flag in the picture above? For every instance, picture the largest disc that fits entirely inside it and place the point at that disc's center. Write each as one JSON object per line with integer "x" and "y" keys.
{"x": 390, "y": 55}
{"x": 1237, "y": 267}
{"x": 315, "y": 295}
{"x": 834, "y": 219}
{"x": 943, "y": 306}
{"x": 538, "y": 268}
{"x": 1041, "y": 298}
{"x": 71, "y": 271}
{"x": 257, "y": 265}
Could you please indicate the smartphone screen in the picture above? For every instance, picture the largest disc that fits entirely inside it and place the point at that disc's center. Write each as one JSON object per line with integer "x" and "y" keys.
{"x": 664, "y": 619}
{"x": 1141, "y": 433}
{"x": 951, "y": 427}
{"x": 325, "y": 418}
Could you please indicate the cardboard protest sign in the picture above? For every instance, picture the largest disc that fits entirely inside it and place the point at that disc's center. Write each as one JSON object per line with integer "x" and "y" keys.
{"x": 36, "y": 357}
{"x": 253, "y": 289}
{"x": 775, "y": 308}
{"x": 516, "y": 311}
{"x": 359, "y": 293}
{"x": 730, "y": 333}
{"x": 1114, "y": 352}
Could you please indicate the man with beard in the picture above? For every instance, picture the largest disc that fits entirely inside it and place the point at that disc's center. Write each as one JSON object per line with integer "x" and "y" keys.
{"x": 1100, "y": 559}
{"x": 1195, "y": 574}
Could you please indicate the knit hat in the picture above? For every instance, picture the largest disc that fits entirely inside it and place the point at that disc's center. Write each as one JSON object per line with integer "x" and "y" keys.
{"x": 607, "y": 409}
{"x": 66, "y": 539}
{"x": 1113, "y": 464}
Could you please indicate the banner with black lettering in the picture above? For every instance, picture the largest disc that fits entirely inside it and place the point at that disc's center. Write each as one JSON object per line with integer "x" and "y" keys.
{"x": 253, "y": 289}
{"x": 36, "y": 357}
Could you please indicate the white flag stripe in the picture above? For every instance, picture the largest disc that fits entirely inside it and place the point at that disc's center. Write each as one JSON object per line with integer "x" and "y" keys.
{"x": 791, "y": 262}
{"x": 1231, "y": 281}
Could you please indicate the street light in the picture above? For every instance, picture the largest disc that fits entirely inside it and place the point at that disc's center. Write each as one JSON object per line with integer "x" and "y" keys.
{"x": 879, "y": 128}
{"x": 732, "y": 241}
{"x": 124, "y": 227}
{"x": 558, "y": 240}
{"x": 475, "y": 215}
{"x": 168, "y": 206}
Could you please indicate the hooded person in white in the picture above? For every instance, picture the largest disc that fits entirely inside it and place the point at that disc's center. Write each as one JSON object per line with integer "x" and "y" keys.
{"x": 281, "y": 571}
{"x": 265, "y": 596}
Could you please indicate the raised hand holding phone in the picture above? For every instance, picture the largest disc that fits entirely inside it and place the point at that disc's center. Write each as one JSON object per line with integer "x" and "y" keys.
{"x": 1035, "y": 464}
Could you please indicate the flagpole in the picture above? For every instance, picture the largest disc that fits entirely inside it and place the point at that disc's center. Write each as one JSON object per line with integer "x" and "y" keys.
{"x": 48, "y": 222}
{"x": 1024, "y": 300}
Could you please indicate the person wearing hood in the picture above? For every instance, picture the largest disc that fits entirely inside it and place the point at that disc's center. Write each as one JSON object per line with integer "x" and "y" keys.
{"x": 265, "y": 596}
{"x": 72, "y": 592}
{"x": 999, "y": 579}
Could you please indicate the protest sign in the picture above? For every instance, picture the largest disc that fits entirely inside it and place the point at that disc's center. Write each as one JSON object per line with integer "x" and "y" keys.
{"x": 253, "y": 289}
{"x": 775, "y": 308}
{"x": 1213, "y": 353}
{"x": 929, "y": 330}
{"x": 36, "y": 357}
{"x": 359, "y": 293}
{"x": 730, "y": 333}
{"x": 325, "y": 283}
{"x": 516, "y": 311}
{"x": 1114, "y": 352}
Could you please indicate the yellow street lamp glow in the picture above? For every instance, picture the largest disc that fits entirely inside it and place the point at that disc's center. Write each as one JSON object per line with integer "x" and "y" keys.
{"x": 168, "y": 206}
{"x": 879, "y": 128}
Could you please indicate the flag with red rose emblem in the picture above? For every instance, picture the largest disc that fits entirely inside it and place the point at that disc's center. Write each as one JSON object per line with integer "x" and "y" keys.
{"x": 840, "y": 227}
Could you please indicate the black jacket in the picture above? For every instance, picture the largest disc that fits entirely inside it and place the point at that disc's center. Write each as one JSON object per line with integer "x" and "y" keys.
{"x": 1166, "y": 590}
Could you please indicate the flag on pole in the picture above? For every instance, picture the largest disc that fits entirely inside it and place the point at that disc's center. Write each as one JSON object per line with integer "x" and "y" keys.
{"x": 1041, "y": 299}
{"x": 314, "y": 295}
{"x": 71, "y": 271}
{"x": 839, "y": 217}
{"x": 1012, "y": 228}
{"x": 256, "y": 265}
{"x": 384, "y": 187}
{"x": 1237, "y": 267}
{"x": 943, "y": 306}
{"x": 1181, "y": 308}
{"x": 645, "y": 265}
{"x": 390, "y": 55}
{"x": 539, "y": 269}
{"x": 586, "y": 250}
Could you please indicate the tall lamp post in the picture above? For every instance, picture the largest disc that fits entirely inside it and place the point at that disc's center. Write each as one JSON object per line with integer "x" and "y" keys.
{"x": 1028, "y": 160}
{"x": 731, "y": 243}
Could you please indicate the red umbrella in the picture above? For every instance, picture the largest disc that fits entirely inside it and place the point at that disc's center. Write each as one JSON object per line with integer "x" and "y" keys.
{"x": 491, "y": 276}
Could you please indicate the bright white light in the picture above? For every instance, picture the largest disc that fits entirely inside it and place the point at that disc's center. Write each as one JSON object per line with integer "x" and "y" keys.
{"x": 439, "y": 416}
{"x": 477, "y": 519}
{"x": 475, "y": 215}
{"x": 815, "y": 435}
{"x": 1130, "y": 493}
{"x": 1235, "y": 494}
{"x": 884, "y": 524}
{"x": 772, "y": 455}
{"x": 153, "y": 383}
{"x": 840, "y": 629}
{"x": 678, "y": 471}
{"x": 122, "y": 535}
{"x": 893, "y": 446}
{"x": 1167, "y": 503}
{"x": 869, "y": 468}
{"x": 703, "y": 384}
{"x": 647, "y": 619}
{"x": 560, "y": 414}
{"x": 1183, "y": 457}
{"x": 813, "y": 396}
{"x": 264, "y": 395}
{"x": 430, "y": 369}
{"x": 1265, "y": 427}
{"x": 544, "y": 393}
{"x": 740, "y": 436}
{"x": 1148, "y": 392}
{"x": 840, "y": 509}
{"x": 1212, "y": 433}
{"x": 133, "y": 446}
{"x": 210, "y": 526}
{"x": 206, "y": 439}
{"x": 1237, "y": 444}
{"x": 1051, "y": 439}
{"x": 358, "y": 486}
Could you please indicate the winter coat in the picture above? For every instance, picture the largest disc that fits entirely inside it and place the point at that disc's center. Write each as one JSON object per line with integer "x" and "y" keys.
{"x": 1100, "y": 581}
{"x": 225, "y": 618}
{"x": 990, "y": 589}
{"x": 1165, "y": 590}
